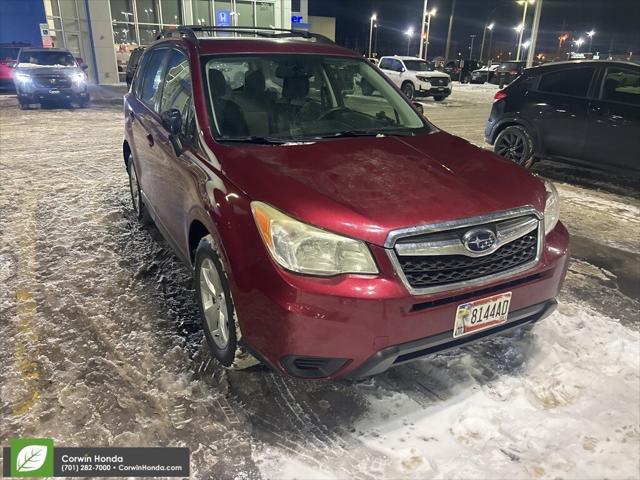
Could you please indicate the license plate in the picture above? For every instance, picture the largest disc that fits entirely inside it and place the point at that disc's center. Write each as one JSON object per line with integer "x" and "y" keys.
{"x": 481, "y": 314}
{"x": 440, "y": 88}
{"x": 53, "y": 92}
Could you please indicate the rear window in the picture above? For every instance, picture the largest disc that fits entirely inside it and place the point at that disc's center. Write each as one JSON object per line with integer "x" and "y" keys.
{"x": 574, "y": 82}
{"x": 621, "y": 85}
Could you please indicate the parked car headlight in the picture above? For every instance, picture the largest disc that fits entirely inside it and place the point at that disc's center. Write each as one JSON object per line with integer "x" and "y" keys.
{"x": 551, "y": 207}
{"x": 22, "y": 77}
{"x": 423, "y": 79}
{"x": 303, "y": 248}
{"x": 78, "y": 78}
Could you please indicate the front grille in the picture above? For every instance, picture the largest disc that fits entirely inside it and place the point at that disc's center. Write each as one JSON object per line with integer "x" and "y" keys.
{"x": 439, "y": 82}
{"x": 52, "y": 81}
{"x": 441, "y": 270}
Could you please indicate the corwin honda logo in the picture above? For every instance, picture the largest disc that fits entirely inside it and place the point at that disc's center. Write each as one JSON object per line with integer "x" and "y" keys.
{"x": 479, "y": 240}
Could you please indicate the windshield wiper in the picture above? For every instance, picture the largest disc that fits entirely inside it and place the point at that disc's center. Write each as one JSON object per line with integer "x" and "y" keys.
{"x": 253, "y": 139}
{"x": 368, "y": 133}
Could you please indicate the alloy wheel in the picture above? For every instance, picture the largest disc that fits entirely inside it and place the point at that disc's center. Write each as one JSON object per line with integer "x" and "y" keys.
{"x": 512, "y": 145}
{"x": 214, "y": 304}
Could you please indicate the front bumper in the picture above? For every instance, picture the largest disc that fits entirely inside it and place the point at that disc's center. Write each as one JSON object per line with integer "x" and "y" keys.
{"x": 427, "y": 90}
{"x": 38, "y": 95}
{"x": 356, "y": 325}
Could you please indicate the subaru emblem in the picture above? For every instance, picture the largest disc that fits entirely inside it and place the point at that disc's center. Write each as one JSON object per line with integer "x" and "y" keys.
{"x": 479, "y": 240}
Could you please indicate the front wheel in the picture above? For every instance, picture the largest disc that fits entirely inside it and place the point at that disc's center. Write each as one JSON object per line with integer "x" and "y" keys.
{"x": 514, "y": 143}
{"x": 217, "y": 310}
{"x": 409, "y": 90}
{"x": 141, "y": 213}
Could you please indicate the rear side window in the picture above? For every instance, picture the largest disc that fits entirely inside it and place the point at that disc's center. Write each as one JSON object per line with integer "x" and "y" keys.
{"x": 621, "y": 85}
{"x": 151, "y": 77}
{"x": 177, "y": 91}
{"x": 574, "y": 82}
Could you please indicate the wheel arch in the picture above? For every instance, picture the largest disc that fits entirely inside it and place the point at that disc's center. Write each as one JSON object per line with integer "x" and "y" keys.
{"x": 126, "y": 151}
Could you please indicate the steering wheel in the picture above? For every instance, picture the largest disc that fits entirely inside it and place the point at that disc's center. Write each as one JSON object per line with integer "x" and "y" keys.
{"x": 331, "y": 112}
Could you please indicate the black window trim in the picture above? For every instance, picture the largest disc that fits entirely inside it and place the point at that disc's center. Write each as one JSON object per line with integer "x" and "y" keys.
{"x": 588, "y": 96}
{"x": 603, "y": 78}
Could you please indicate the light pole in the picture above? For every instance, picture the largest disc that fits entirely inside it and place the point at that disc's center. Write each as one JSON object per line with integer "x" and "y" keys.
{"x": 376, "y": 26}
{"x": 432, "y": 13}
{"x": 453, "y": 11}
{"x": 424, "y": 14}
{"x": 484, "y": 34}
{"x": 534, "y": 33}
{"x": 524, "y": 21}
{"x": 473, "y": 37}
{"x": 518, "y": 30}
{"x": 409, "y": 34}
{"x": 373, "y": 19}
{"x": 590, "y": 34}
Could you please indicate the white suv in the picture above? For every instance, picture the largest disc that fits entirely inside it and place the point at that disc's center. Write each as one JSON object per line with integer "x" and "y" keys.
{"x": 416, "y": 78}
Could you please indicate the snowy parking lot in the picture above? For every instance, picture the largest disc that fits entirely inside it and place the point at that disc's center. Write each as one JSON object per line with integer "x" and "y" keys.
{"x": 100, "y": 343}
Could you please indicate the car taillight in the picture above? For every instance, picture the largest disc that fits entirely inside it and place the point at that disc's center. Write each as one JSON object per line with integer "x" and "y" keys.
{"x": 500, "y": 95}
{"x": 457, "y": 70}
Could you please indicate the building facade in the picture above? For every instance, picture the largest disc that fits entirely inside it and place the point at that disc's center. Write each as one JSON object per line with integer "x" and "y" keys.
{"x": 103, "y": 32}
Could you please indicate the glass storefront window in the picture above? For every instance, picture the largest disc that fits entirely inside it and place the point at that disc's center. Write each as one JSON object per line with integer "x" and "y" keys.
{"x": 265, "y": 14}
{"x": 148, "y": 33}
{"x": 244, "y": 12}
{"x": 124, "y": 33}
{"x": 201, "y": 12}
{"x": 147, "y": 11}
{"x": 171, "y": 12}
{"x": 224, "y": 11}
{"x": 122, "y": 11}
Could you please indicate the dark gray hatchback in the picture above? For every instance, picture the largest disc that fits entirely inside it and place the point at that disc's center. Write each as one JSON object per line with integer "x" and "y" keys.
{"x": 587, "y": 112}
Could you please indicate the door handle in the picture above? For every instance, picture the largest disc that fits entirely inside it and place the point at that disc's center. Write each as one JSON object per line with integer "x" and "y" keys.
{"x": 150, "y": 140}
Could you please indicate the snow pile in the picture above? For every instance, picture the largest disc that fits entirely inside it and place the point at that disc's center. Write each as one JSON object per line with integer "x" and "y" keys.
{"x": 564, "y": 404}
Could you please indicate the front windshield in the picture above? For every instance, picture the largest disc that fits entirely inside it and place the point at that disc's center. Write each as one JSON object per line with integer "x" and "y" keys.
{"x": 46, "y": 58}
{"x": 417, "y": 65}
{"x": 297, "y": 97}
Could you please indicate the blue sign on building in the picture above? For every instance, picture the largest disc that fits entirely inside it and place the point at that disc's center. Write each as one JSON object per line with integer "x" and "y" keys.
{"x": 223, "y": 18}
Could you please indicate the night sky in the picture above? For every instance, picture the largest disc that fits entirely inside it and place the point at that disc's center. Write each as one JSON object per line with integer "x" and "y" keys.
{"x": 616, "y": 22}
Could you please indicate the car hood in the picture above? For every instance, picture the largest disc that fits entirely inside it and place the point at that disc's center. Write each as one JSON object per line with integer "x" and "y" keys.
{"x": 53, "y": 70}
{"x": 432, "y": 74}
{"x": 366, "y": 187}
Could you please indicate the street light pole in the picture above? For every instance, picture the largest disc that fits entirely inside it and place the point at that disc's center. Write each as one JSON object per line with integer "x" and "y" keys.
{"x": 373, "y": 19}
{"x": 524, "y": 22}
{"x": 534, "y": 34}
{"x": 432, "y": 13}
{"x": 473, "y": 37}
{"x": 408, "y": 33}
{"x": 491, "y": 43}
{"x": 484, "y": 34}
{"x": 591, "y": 34}
{"x": 424, "y": 14}
{"x": 518, "y": 30}
{"x": 453, "y": 11}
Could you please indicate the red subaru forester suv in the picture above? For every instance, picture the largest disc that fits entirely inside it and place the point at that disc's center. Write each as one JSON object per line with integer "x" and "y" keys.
{"x": 333, "y": 232}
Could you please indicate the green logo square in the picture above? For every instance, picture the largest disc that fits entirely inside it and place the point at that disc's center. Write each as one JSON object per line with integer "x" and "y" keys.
{"x": 31, "y": 457}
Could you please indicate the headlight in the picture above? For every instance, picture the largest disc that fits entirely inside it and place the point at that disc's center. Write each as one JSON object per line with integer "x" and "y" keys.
{"x": 78, "y": 78}
{"x": 423, "y": 79}
{"x": 22, "y": 77}
{"x": 551, "y": 207}
{"x": 302, "y": 248}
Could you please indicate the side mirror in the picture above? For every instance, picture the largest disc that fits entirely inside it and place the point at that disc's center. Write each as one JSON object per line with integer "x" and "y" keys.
{"x": 11, "y": 63}
{"x": 402, "y": 69}
{"x": 84, "y": 66}
{"x": 418, "y": 106}
{"x": 172, "y": 121}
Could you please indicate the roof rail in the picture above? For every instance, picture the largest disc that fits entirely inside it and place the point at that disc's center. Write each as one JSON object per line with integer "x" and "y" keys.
{"x": 189, "y": 32}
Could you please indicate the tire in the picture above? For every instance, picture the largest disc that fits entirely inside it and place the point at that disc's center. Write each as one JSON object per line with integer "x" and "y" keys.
{"x": 409, "y": 90}
{"x": 439, "y": 98}
{"x": 217, "y": 310}
{"x": 466, "y": 79}
{"x": 24, "y": 105}
{"x": 514, "y": 143}
{"x": 139, "y": 209}
{"x": 84, "y": 103}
